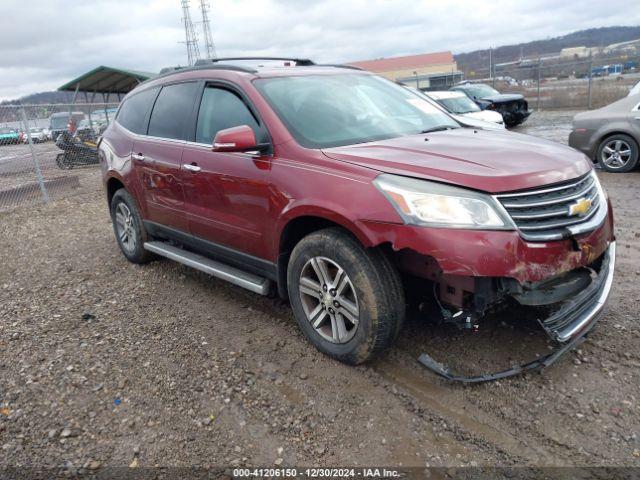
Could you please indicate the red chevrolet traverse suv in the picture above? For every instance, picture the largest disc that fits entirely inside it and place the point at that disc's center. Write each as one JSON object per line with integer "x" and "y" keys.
{"x": 335, "y": 189}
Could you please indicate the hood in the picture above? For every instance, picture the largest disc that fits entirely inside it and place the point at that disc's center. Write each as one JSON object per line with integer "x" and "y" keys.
{"x": 490, "y": 161}
{"x": 503, "y": 97}
{"x": 475, "y": 122}
{"x": 618, "y": 109}
{"x": 487, "y": 116}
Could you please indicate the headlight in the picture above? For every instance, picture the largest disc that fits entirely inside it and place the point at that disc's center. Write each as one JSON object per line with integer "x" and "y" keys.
{"x": 601, "y": 190}
{"x": 421, "y": 202}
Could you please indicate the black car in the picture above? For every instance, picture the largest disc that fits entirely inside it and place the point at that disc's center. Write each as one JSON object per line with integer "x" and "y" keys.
{"x": 512, "y": 106}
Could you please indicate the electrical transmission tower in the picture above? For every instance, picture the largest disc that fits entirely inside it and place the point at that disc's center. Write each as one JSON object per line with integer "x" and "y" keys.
{"x": 191, "y": 39}
{"x": 206, "y": 29}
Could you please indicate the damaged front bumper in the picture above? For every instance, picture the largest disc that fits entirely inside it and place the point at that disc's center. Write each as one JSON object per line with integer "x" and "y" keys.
{"x": 568, "y": 325}
{"x": 578, "y": 313}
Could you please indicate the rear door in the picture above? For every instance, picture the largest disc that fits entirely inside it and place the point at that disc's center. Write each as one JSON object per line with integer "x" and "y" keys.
{"x": 157, "y": 156}
{"x": 227, "y": 199}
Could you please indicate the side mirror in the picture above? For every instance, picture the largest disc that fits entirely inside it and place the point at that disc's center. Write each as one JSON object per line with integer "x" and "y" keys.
{"x": 236, "y": 139}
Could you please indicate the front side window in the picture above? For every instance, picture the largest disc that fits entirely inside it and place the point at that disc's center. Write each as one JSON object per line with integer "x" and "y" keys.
{"x": 133, "y": 112}
{"x": 171, "y": 111}
{"x": 324, "y": 111}
{"x": 221, "y": 109}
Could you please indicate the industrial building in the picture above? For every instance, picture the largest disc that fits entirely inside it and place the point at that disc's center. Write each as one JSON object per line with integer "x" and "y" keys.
{"x": 428, "y": 71}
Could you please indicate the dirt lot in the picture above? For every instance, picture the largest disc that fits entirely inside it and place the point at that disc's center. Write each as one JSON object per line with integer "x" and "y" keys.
{"x": 104, "y": 363}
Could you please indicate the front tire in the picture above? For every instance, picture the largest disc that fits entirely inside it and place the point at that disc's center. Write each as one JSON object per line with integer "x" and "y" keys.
{"x": 618, "y": 153}
{"x": 347, "y": 300}
{"x": 128, "y": 227}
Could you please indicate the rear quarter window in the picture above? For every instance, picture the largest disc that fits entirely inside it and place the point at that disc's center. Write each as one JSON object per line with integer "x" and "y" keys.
{"x": 134, "y": 110}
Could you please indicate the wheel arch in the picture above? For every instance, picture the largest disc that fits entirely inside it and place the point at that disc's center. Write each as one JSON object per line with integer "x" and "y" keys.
{"x": 610, "y": 133}
{"x": 295, "y": 227}
{"x": 113, "y": 184}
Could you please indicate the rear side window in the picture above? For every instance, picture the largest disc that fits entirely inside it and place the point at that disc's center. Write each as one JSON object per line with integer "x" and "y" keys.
{"x": 133, "y": 112}
{"x": 222, "y": 109}
{"x": 172, "y": 109}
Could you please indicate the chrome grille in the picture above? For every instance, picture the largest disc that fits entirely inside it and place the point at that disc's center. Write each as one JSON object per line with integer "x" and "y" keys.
{"x": 544, "y": 214}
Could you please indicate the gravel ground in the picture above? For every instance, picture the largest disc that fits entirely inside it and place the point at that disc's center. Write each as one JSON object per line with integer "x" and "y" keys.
{"x": 105, "y": 363}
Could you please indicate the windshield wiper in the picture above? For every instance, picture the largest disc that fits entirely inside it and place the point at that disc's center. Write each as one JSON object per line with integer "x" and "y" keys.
{"x": 438, "y": 128}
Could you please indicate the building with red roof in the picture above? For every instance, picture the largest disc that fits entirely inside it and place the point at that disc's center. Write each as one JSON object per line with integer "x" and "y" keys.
{"x": 424, "y": 71}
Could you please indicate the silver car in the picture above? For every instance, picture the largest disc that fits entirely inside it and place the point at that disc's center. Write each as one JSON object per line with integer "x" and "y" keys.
{"x": 610, "y": 135}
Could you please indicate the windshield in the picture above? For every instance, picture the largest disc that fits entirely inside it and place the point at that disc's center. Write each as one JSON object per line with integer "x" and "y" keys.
{"x": 459, "y": 104}
{"x": 59, "y": 122}
{"x": 481, "y": 91}
{"x": 5, "y": 130}
{"x": 324, "y": 111}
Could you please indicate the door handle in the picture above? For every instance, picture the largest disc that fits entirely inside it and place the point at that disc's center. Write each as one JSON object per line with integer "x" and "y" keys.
{"x": 139, "y": 157}
{"x": 191, "y": 167}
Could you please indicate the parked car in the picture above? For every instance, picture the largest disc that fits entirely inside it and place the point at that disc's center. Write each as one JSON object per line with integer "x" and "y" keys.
{"x": 63, "y": 122}
{"x": 610, "y": 135}
{"x": 634, "y": 90}
{"x": 9, "y": 136}
{"x": 459, "y": 104}
{"x": 465, "y": 121}
{"x": 38, "y": 135}
{"x": 512, "y": 106}
{"x": 337, "y": 190}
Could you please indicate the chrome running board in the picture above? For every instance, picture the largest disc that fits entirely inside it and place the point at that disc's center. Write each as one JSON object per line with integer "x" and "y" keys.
{"x": 233, "y": 275}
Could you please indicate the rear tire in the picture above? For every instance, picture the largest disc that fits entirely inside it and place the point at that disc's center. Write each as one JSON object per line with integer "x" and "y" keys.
{"x": 128, "y": 227}
{"x": 618, "y": 154}
{"x": 347, "y": 300}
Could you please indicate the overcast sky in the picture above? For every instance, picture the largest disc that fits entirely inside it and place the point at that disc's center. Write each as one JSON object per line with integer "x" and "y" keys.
{"x": 45, "y": 43}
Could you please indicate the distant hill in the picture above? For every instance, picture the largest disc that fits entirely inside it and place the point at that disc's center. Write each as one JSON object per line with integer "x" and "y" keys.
{"x": 593, "y": 37}
{"x": 54, "y": 97}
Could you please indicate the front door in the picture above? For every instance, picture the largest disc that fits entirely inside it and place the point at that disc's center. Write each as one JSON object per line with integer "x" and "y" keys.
{"x": 227, "y": 195}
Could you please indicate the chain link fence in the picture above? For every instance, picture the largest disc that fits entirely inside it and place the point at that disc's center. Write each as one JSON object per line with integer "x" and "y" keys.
{"x": 564, "y": 84}
{"x": 49, "y": 151}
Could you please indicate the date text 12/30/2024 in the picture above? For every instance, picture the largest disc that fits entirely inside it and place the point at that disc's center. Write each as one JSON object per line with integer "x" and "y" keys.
{"x": 316, "y": 473}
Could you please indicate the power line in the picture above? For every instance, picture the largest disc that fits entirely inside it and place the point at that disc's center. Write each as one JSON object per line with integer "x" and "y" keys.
{"x": 206, "y": 29}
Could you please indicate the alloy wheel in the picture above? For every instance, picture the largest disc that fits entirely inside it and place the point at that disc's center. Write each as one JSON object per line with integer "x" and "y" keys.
{"x": 125, "y": 227}
{"x": 329, "y": 300}
{"x": 616, "y": 154}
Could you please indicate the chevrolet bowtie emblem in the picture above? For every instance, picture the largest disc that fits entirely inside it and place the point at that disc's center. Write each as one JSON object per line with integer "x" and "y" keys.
{"x": 581, "y": 207}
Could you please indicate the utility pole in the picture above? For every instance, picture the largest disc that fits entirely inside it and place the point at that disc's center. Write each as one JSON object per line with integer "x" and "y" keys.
{"x": 539, "y": 78}
{"x": 490, "y": 64}
{"x": 210, "y": 47}
{"x": 191, "y": 39}
{"x": 590, "y": 84}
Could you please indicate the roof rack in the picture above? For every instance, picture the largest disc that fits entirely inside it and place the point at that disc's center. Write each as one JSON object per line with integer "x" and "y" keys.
{"x": 170, "y": 69}
{"x": 214, "y": 64}
{"x": 302, "y": 62}
{"x": 341, "y": 65}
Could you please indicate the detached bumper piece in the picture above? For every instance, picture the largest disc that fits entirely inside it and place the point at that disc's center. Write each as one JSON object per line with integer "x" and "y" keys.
{"x": 579, "y": 312}
{"x": 568, "y": 325}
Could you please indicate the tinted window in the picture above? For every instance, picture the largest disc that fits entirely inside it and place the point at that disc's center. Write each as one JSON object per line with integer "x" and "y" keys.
{"x": 171, "y": 110}
{"x": 134, "y": 111}
{"x": 222, "y": 109}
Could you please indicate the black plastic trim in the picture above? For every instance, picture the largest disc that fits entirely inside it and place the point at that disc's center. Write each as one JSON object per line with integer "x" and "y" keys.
{"x": 215, "y": 251}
